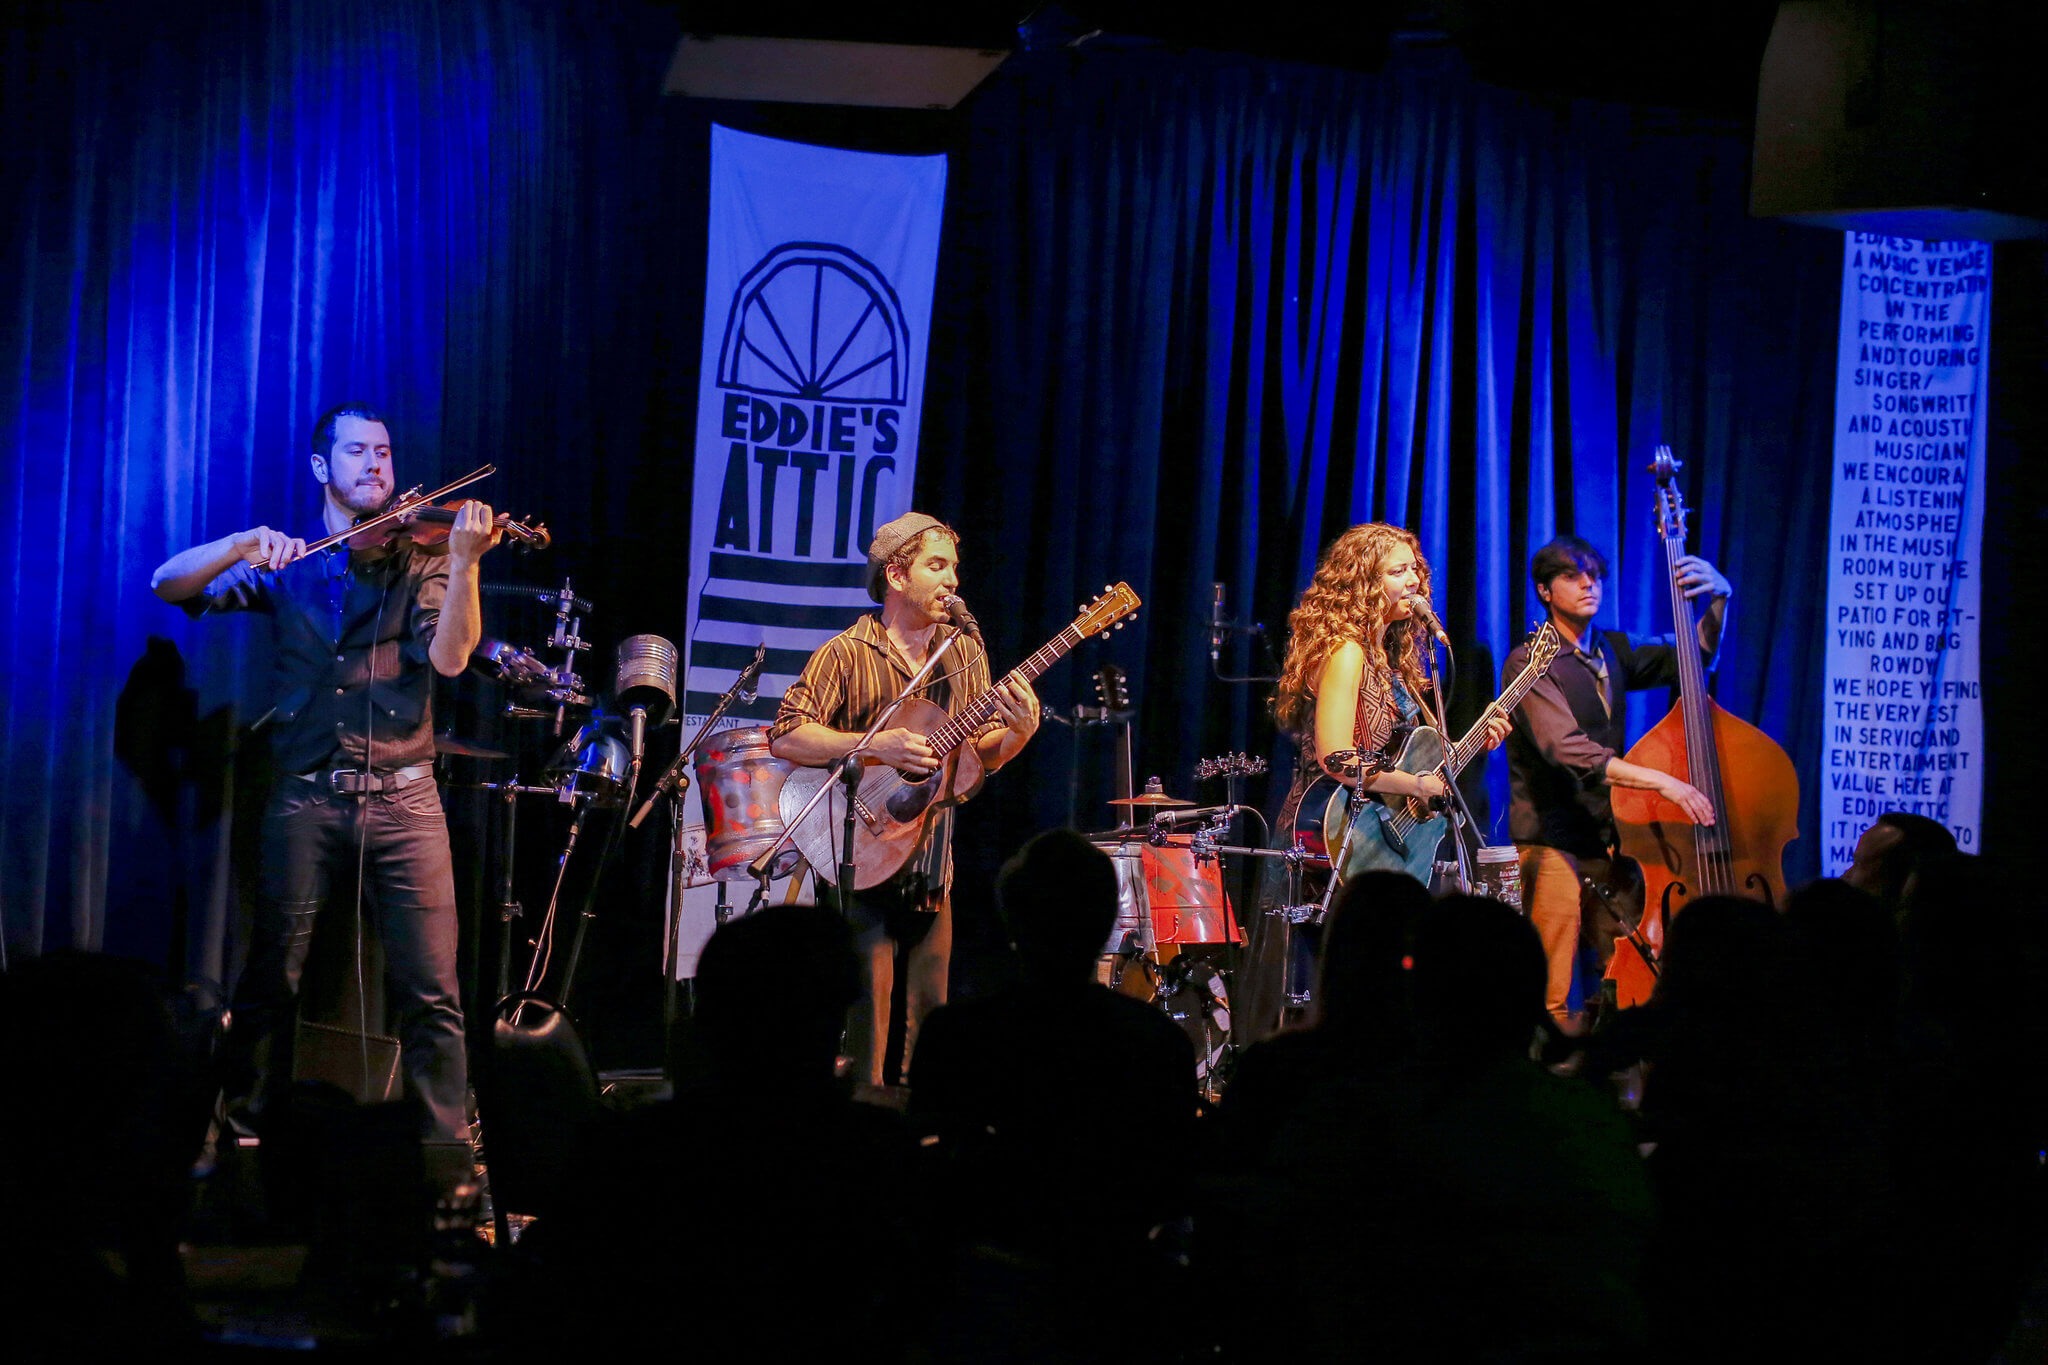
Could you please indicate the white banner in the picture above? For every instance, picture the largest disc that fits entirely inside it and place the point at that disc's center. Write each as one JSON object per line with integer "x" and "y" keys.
{"x": 818, "y": 293}
{"x": 1905, "y": 724}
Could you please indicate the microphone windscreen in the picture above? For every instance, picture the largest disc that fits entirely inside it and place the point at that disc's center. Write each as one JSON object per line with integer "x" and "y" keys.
{"x": 646, "y": 676}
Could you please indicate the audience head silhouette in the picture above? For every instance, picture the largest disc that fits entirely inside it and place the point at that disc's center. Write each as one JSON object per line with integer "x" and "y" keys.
{"x": 1058, "y": 897}
{"x": 1894, "y": 852}
{"x": 773, "y": 989}
{"x": 1367, "y": 977}
{"x": 1479, "y": 980}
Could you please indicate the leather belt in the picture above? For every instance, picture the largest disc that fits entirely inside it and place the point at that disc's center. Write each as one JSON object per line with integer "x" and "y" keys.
{"x": 366, "y": 782}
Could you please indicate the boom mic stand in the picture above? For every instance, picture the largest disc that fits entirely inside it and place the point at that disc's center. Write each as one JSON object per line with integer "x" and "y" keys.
{"x": 1461, "y": 814}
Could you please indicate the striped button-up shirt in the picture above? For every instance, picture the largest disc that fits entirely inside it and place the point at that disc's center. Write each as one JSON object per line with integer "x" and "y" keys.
{"x": 856, "y": 673}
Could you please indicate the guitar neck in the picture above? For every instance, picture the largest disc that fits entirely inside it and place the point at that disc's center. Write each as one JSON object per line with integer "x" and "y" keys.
{"x": 977, "y": 713}
{"x": 1511, "y": 696}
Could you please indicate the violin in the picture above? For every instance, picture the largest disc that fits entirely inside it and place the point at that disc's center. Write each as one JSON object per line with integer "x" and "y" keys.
{"x": 424, "y": 521}
{"x": 426, "y": 526}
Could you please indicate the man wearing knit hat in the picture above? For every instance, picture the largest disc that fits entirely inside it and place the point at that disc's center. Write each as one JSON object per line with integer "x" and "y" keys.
{"x": 913, "y": 570}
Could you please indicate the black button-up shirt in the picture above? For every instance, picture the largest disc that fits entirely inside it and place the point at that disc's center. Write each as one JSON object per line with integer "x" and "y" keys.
{"x": 353, "y": 685}
{"x": 1564, "y": 733}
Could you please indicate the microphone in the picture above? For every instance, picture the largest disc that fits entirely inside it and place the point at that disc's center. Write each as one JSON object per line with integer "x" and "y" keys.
{"x": 646, "y": 684}
{"x": 1219, "y": 629}
{"x": 1418, "y": 607}
{"x": 750, "y": 676}
{"x": 1197, "y": 813}
{"x": 956, "y": 611}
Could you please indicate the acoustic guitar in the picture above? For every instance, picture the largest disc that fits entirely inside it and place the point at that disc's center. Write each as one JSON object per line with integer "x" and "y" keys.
{"x": 889, "y": 808}
{"x": 1401, "y": 834}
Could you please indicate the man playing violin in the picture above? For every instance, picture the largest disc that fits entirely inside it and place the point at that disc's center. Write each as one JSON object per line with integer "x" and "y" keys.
{"x": 352, "y": 735}
{"x": 1564, "y": 755}
{"x": 912, "y": 573}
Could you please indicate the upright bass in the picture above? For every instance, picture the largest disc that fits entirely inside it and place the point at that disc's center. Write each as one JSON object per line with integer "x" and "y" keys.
{"x": 1740, "y": 769}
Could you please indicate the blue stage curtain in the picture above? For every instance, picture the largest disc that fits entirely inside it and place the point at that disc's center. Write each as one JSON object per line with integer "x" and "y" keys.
{"x": 1202, "y": 316}
{"x": 1196, "y": 315}
{"x": 220, "y": 221}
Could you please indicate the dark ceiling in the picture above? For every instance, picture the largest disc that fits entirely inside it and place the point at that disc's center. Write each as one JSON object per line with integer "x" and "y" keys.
{"x": 1692, "y": 54}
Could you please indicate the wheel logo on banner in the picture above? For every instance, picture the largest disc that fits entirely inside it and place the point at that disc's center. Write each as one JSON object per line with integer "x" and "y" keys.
{"x": 816, "y": 321}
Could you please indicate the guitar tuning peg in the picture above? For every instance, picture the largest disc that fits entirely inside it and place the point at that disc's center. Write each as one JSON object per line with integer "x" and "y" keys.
{"x": 1106, "y": 587}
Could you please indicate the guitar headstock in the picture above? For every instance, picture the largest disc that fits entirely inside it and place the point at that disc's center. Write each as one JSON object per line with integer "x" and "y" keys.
{"x": 1544, "y": 647}
{"x": 1670, "y": 501}
{"x": 1112, "y": 688}
{"x": 1110, "y": 609}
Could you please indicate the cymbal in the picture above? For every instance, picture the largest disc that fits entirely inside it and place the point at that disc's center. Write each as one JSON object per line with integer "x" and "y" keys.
{"x": 1159, "y": 800}
{"x": 447, "y": 743}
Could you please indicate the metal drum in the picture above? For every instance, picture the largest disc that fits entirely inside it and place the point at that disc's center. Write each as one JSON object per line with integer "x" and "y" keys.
{"x": 741, "y": 783}
{"x": 1133, "y": 910}
{"x": 592, "y": 766}
{"x": 1186, "y": 897}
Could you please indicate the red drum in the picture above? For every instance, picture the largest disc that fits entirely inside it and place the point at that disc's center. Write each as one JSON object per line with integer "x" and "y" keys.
{"x": 1187, "y": 899}
{"x": 1166, "y": 901}
{"x": 741, "y": 784}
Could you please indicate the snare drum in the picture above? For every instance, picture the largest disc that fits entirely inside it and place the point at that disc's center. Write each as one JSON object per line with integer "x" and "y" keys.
{"x": 741, "y": 785}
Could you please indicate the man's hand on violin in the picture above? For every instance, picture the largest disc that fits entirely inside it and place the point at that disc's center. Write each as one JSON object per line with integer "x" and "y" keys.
{"x": 268, "y": 549}
{"x": 1700, "y": 578}
{"x": 473, "y": 534}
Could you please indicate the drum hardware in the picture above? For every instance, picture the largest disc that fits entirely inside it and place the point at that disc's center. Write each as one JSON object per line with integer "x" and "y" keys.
{"x": 1153, "y": 797}
{"x": 524, "y": 672}
{"x": 568, "y": 637}
{"x": 455, "y": 745}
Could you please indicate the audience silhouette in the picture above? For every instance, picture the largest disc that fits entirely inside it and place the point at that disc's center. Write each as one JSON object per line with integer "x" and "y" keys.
{"x": 1061, "y": 1116}
{"x": 1837, "y": 1153}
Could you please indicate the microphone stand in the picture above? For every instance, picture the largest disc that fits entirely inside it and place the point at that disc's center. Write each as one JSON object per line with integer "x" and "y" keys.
{"x": 1461, "y": 814}
{"x": 850, "y": 773}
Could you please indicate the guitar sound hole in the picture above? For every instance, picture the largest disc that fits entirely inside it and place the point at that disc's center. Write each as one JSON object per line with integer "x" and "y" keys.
{"x": 908, "y": 801}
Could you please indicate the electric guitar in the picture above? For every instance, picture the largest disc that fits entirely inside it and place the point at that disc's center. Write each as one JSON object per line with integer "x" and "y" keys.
{"x": 889, "y": 808}
{"x": 1401, "y": 834}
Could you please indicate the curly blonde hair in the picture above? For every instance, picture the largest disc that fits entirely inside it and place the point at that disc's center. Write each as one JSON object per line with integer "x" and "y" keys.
{"x": 1344, "y": 602}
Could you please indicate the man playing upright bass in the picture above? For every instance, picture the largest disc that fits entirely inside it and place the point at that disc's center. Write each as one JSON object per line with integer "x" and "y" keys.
{"x": 913, "y": 570}
{"x": 1564, "y": 755}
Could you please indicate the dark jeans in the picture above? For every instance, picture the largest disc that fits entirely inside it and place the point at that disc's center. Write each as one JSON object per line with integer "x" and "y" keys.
{"x": 409, "y": 898}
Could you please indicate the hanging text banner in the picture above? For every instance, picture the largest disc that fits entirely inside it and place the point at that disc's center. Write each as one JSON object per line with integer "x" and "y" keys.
{"x": 1905, "y": 726}
{"x": 818, "y": 289}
